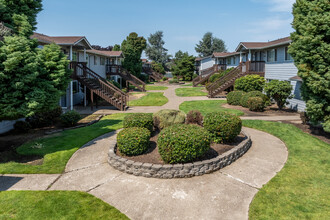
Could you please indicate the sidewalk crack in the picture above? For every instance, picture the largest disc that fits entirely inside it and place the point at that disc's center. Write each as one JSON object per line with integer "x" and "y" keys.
{"x": 239, "y": 180}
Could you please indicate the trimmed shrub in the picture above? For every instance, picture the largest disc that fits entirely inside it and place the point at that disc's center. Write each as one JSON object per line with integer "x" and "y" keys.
{"x": 222, "y": 126}
{"x": 167, "y": 117}
{"x": 173, "y": 81}
{"x": 280, "y": 91}
{"x": 70, "y": 118}
{"x": 141, "y": 120}
{"x": 22, "y": 126}
{"x": 194, "y": 117}
{"x": 165, "y": 78}
{"x": 234, "y": 97}
{"x": 246, "y": 96}
{"x": 256, "y": 104}
{"x": 133, "y": 141}
{"x": 183, "y": 143}
{"x": 250, "y": 83}
{"x": 44, "y": 119}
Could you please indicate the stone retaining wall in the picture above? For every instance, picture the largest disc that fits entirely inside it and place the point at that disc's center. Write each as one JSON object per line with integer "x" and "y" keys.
{"x": 178, "y": 170}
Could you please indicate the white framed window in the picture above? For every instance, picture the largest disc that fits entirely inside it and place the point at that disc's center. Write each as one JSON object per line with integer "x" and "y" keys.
{"x": 102, "y": 61}
{"x": 229, "y": 61}
{"x": 287, "y": 55}
{"x": 272, "y": 55}
{"x": 74, "y": 56}
{"x": 95, "y": 60}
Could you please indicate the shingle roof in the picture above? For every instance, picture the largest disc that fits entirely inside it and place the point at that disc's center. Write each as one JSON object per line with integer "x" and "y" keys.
{"x": 296, "y": 78}
{"x": 106, "y": 53}
{"x": 261, "y": 45}
{"x": 224, "y": 54}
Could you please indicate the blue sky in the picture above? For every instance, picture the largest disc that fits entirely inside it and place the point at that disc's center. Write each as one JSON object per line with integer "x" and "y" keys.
{"x": 184, "y": 22}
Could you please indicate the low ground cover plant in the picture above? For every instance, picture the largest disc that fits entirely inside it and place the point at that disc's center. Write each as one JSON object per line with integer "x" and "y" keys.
{"x": 234, "y": 97}
{"x": 70, "y": 118}
{"x": 183, "y": 143}
{"x": 167, "y": 117}
{"x": 141, "y": 120}
{"x": 222, "y": 126}
{"x": 250, "y": 83}
{"x": 194, "y": 117}
{"x": 133, "y": 141}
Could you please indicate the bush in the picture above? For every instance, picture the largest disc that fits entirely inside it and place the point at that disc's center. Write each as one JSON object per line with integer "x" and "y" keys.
{"x": 115, "y": 83}
{"x": 222, "y": 126}
{"x": 245, "y": 98}
{"x": 141, "y": 120}
{"x": 133, "y": 141}
{"x": 280, "y": 91}
{"x": 183, "y": 143}
{"x": 44, "y": 119}
{"x": 167, "y": 117}
{"x": 173, "y": 81}
{"x": 194, "y": 76}
{"x": 165, "y": 78}
{"x": 70, "y": 118}
{"x": 256, "y": 104}
{"x": 250, "y": 83}
{"x": 215, "y": 77}
{"x": 234, "y": 97}
{"x": 22, "y": 126}
{"x": 194, "y": 117}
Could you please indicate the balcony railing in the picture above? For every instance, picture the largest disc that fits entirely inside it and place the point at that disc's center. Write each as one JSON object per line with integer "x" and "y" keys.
{"x": 113, "y": 69}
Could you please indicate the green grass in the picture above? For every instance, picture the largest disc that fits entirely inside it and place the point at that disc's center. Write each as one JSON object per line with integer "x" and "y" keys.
{"x": 148, "y": 87}
{"x": 188, "y": 92}
{"x": 58, "y": 149}
{"x": 301, "y": 190}
{"x": 55, "y": 205}
{"x": 188, "y": 84}
{"x": 207, "y": 106}
{"x": 151, "y": 99}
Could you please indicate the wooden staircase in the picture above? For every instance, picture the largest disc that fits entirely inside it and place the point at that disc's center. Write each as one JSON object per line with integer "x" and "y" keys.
{"x": 130, "y": 78}
{"x": 152, "y": 74}
{"x": 99, "y": 86}
{"x": 229, "y": 79}
{"x": 205, "y": 75}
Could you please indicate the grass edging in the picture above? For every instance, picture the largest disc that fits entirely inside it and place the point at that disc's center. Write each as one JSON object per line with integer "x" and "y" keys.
{"x": 301, "y": 189}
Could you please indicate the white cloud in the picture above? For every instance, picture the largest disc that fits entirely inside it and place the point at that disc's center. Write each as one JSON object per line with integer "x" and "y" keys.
{"x": 281, "y": 5}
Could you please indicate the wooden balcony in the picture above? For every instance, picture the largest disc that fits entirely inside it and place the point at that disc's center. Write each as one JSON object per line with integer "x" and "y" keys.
{"x": 254, "y": 67}
{"x": 113, "y": 69}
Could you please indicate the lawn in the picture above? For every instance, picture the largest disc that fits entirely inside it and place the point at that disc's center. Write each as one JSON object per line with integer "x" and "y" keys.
{"x": 151, "y": 99}
{"x": 57, "y": 149}
{"x": 148, "y": 87}
{"x": 55, "y": 205}
{"x": 208, "y": 106}
{"x": 188, "y": 84}
{"x": 301, "y": 190}
{"x": 187, "y": 92}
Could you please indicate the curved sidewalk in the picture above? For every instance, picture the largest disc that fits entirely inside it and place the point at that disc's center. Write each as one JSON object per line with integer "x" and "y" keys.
{"x": 224, "y": 194}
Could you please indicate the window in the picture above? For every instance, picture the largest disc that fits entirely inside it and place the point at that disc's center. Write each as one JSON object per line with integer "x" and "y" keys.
{"x": 95, "y": 60}
{"x": 287, "y": 55}
{"x": 102, "y": 61}
{"x": 234, "y": 60}
{"x": 229, "y": 61}
{"x": 272, "y": 55}
{"x": 74, "y": 56}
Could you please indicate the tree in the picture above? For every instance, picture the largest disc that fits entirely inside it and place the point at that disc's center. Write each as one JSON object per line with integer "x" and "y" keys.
{"x": 116, "y": 47}
{"x": 250, "y": 83}
{"x": 158, "y": 67}
{"x": 184, "y": 65}
{"x": 29, "y": 8}
{"x": 31, "y": 80}
{"x": 210, "y": 44}
{"x": 310, "y": 50}
{"x": 155, "y": 48}
{"x": 280, "y": 91}
{"x": 132, "y": 49}
{"x": 98, "y": 47}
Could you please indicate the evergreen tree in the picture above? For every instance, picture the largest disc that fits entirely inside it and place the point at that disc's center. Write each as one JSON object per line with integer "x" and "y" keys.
{"x": 210, "y": 44}
{"x": 132, "y": 49}
{"x": 116, "y": 47}
{"x": 31, "y": 80}
{"x": 155, "y": 48}
{"x": 184, "y": 65}
{"x": 29, "y": 8}
{"x": 310, "y": 49}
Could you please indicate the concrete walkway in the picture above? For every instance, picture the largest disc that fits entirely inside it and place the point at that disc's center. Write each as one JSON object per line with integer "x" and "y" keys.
{"x": 225, "y": 194}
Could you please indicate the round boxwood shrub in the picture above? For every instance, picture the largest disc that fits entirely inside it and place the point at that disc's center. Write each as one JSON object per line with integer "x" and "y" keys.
{"x": 167, "y": 117}
{"x": 22, "y": 126}
{"x": 222, "y": 126}
{"x": 246, "y": 96}
{"x": 256, "y": 104}
{"x": 133, "y": 141}
{"x": 234, "y": 97}
{"x": 141, "y": 120}
{"x": 183, "y": 143}
{"x": 70, "y": 118}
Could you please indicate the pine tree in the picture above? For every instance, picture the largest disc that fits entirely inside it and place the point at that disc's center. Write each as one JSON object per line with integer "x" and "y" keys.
{"x": 209, "y": 44}
{"x": 310, "y": 49}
